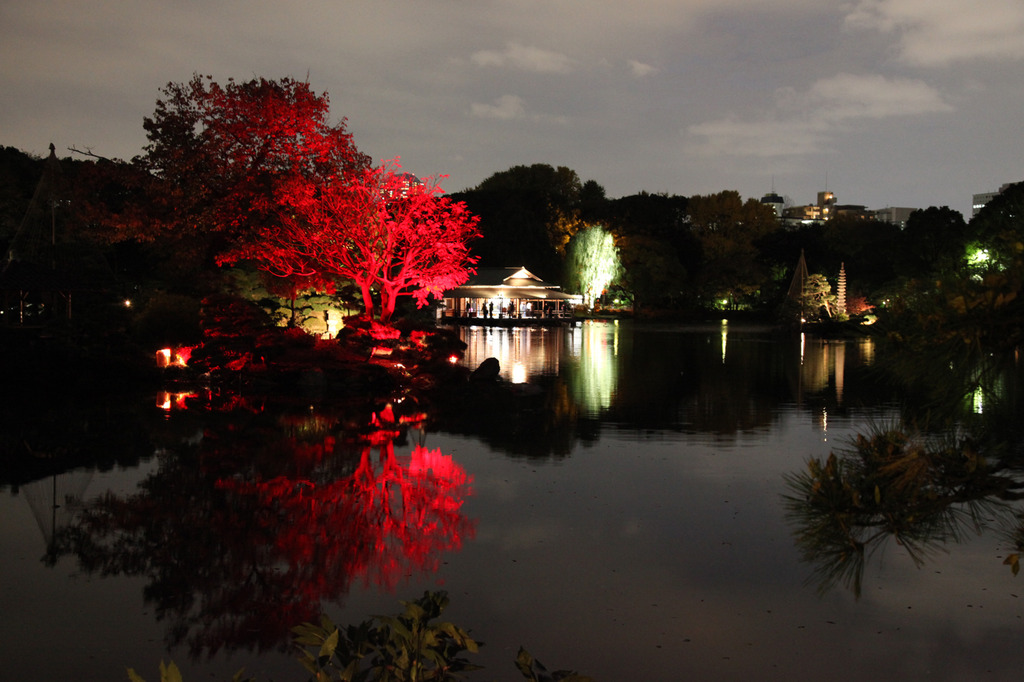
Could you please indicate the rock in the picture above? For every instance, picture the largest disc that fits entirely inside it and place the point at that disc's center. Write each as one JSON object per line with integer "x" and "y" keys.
{"x": 487, "y": 371}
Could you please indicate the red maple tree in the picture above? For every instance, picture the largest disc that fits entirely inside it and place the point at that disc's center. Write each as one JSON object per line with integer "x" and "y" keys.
{"x": 385, "y": 231}
{"x": 225, "y": 152}
{"x": 219, "y": 166}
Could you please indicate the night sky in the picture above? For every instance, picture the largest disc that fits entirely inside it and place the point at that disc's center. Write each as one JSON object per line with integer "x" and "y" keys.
{"x": 884, "y": 102}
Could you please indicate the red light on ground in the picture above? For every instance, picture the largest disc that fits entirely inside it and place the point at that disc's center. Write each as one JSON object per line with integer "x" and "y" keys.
{"x": 165, "y": 357}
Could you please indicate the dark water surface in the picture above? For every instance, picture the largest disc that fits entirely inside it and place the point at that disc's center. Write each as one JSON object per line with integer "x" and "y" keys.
{"x": 622, "y": 516}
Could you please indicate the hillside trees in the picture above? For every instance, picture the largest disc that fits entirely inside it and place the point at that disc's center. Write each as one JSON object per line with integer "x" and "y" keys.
{"x": 869, "y": 248}
{"x": 934, "y": 242}
{"x": 528, "y": 214}
{"x": 998, "y": 230}
{"x": 18, "y": 175}
{"x": 656, "y": 248}
{"x": 975, "y": 310}
{"x": 728, "y": 230}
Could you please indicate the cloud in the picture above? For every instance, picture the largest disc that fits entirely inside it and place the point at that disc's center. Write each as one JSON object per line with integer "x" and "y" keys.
{"x": 524, "y": 58}
{"x": 848, "y": 96}
{"x": 506, "y": 107}
{"x": 639, "y": 69}
{"x": 803, "y": 123}
{"x": 940, "y": 32}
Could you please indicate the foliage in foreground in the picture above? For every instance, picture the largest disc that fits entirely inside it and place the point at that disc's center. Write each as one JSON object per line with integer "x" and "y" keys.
{"x": 406, "y": 647}
{"x": 895, "y": 484}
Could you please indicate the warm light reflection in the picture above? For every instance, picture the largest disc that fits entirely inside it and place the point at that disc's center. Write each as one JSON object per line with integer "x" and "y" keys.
{"x": 823, "y": 364}
{"x": 518, "y": 373}
{"x": 168, "y": 401}
{"x": 840, "y": 371}
{"x": 725, "y": 337}
{"x": 867, "y": 351}
{"x": 522, "y": 352}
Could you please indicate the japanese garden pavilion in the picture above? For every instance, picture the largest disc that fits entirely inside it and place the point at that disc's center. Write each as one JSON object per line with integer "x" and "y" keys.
{"x": 510, "y": 295}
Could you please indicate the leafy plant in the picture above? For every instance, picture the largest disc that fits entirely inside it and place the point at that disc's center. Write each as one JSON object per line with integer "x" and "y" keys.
{"x": 409, "y": 647}
{"x": 389, "y": 648}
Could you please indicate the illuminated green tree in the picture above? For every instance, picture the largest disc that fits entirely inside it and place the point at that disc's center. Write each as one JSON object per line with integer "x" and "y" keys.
{"x": 593, "y": 261}
{"x": 818, "y": 299}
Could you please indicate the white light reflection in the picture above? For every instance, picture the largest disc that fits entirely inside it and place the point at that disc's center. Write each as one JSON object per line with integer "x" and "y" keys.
{"x": 575, "y": 341}
{"x": 597, "y": 377}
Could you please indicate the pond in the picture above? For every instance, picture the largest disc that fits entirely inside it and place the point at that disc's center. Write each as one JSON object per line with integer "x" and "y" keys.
{"x": 620, "y": 505}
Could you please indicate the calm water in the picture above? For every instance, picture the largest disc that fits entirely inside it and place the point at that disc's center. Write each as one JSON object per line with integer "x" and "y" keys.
{"x": 621, "y": 514}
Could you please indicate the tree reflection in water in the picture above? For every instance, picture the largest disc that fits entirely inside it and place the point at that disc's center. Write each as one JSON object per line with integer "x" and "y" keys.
{"x": 247, "y": 544}
{"x": 906, "y": 485}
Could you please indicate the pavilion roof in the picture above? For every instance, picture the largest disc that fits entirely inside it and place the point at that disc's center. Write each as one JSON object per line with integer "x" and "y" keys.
{"x": 508, "y": 283}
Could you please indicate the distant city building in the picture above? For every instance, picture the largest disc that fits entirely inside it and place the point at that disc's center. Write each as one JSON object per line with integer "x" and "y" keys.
{"x": 897, "y": 215}
{"x": 826, "y": 202}
{"x": 795, "y": 216}
{"x": 775, "y": 202}
{"x": 979, "y": 200}
{"x": 812, "y": 214}
{"x": 852, "y": 211}
{"x": 826, "y": 208}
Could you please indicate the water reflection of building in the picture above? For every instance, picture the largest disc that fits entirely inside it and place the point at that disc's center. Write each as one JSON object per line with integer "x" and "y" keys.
{"x": 526, "y": 353}
{"x": 522, "y": 352}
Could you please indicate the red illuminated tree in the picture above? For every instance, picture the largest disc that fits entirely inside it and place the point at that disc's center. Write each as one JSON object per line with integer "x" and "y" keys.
{"x": 226, "y": 152}
{"x": 385, "y": 231}
{"x": 219, "y": 166}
